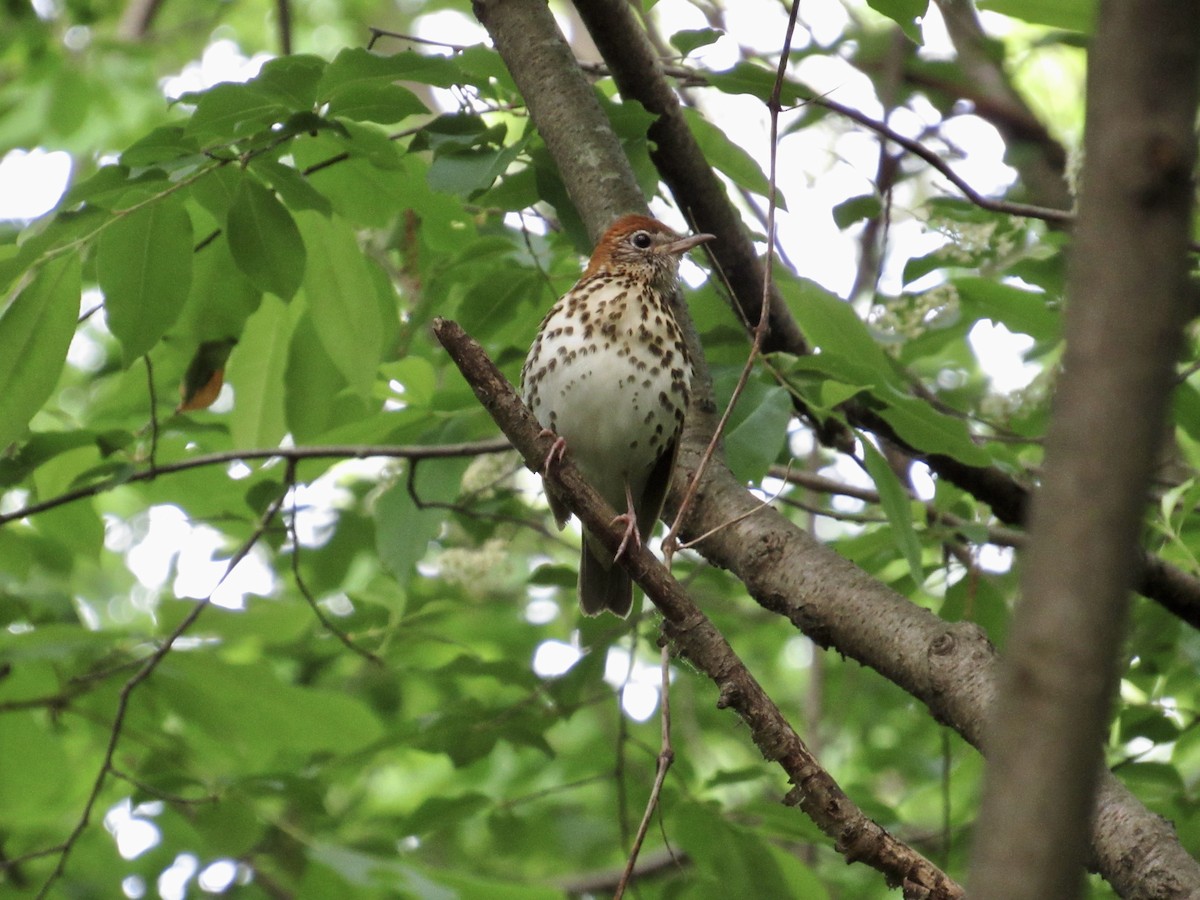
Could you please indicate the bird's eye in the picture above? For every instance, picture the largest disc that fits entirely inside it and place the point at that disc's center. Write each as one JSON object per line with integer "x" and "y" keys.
{"x": 641, "y": 240}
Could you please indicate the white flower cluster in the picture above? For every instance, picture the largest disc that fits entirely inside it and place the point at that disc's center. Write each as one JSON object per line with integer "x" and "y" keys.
{"x": 477, "y": 569}
{"x": 1003, "y": 407}
{"x": 968, "y": 241}
{"x": 486, "y": 473}
{"x": 908, "y": 317}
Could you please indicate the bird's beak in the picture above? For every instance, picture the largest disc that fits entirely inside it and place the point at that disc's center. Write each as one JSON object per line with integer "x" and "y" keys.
{"x": 683, "y": 245}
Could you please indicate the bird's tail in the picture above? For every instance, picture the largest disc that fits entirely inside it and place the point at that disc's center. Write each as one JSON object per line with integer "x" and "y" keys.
{"x": 603, "y": 584}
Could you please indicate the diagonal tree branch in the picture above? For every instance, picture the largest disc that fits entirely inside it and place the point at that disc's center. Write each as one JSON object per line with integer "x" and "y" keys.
{"x": 698, "y": 640}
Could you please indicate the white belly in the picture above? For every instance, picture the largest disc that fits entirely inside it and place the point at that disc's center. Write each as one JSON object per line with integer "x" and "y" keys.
{"x": 617, "y": 413}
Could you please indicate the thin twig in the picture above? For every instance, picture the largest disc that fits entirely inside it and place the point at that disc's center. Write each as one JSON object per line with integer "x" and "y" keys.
{"x": 762, "y": 504}
{"x": 331, "y": 451}
{"x": 284, "y": 9}
{"x": 377, "y": 33}
{"x": 999, "y": 536}
{"x": 289, "y": 483}
{"x": 144, "y": 672}
{"x": 153, "y": 460}
{"x": 464, "y": 509}
{"x": 696, "y": 78}
{"x": 760, "y": 329}
{"x": 666, "y": 756}
{"x": 164, "y": 796}
{"x": 1023, "y": 210}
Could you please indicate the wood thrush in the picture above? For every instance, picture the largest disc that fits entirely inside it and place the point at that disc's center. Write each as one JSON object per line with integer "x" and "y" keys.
{"x": 609, "y": 374}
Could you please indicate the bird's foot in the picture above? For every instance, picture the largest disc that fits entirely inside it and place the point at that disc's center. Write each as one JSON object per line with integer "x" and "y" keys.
{"x": 557, "y": 450}
{"x": 631, "y": 537}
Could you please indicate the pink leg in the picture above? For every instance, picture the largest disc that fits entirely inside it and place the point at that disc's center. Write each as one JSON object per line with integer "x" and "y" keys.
{"x": 629, "y": 517}
{"x": 557, "y": 449}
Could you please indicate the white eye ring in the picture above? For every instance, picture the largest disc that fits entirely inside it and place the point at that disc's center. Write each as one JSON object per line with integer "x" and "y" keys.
{"x": 641, "y": 240}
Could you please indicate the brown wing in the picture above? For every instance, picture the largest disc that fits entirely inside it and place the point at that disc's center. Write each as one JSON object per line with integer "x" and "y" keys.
{"x": 650, "y": 504}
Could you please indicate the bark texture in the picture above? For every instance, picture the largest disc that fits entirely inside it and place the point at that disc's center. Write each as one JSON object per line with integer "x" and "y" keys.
{"x": 1127, "y": 302}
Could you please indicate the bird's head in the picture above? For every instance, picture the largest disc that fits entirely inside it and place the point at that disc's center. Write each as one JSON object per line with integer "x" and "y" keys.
{"x": 640, "y": 245}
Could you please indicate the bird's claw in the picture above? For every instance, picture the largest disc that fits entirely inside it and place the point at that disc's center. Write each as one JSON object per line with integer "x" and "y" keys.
{"x": 629, "y": 517}
{"x": 557, "y": 450}
{"x": 631, "y": 537}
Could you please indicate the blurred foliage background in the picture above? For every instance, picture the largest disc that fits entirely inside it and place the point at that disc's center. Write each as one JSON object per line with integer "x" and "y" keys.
{"x": 392, "y": 693}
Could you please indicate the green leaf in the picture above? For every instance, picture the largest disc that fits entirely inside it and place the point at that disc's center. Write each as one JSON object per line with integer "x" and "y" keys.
{"x": 361, "y": 190}
{"x": 926, "y": 428}
{"x": 382, "y": 103}
{"x": 265, "y": 241}
{"x": 293, "y": 187}
{"x": 1072, "y": 15}
{"x": 896, "y": 505}
{"x": 221, "y": 299}
{"x": 38, "y": 447}
{"x": 905, "y": 13}
{"x": 728, "y": 157}
{"x": 467, "y": 171}
{"x": 515, "y": 191}
{"x": 832, "y": 325}
{"x": 726, "y": 853}
{"x": 978, "y": 600}
{"x": 271, "y": 719}
{"x": 342, "y": 299}
{"x": 35, "y": 332}
{"x": 264, "y": 621}
{"x": 1148, "y": 722}
{"x": 753, "y": 79}
{"x": 629, "y": 119}
{"x": 292, "y": 80}
{"x": 230, "y": 110}
{"x": 757, "y": 430}
{"x": 694, "y": 38}
{"x": 357, "y": 67}
{"x": 35, "y": 776}
{"x": 834, "y": 393}
{"x": 163, "y": 144}
{"x": 1187, "y": 409}
{"x": 367, "y": 143}
{"x": 70, "y": 99}
{"x": 491, "y": 306}
{"x": 1026, "y": 312}
{"x": 482, "y": 66}
{"x": 419, "y": 379}
{"x": 217, "y": 189}
{"x": 402, "y": 531}
{"x": 144, "y": 265}
{"x": 315, "y": 391}
{"x": 256, "y": 370}
{"x": 856, "y": 209}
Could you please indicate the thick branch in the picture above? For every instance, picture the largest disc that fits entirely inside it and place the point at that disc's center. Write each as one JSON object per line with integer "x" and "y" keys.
{"x": 698, "y": 640}
{"x": 950, "y": 667}
{"x": 594, "y": 168}
{"x": 1131, "y": 240}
